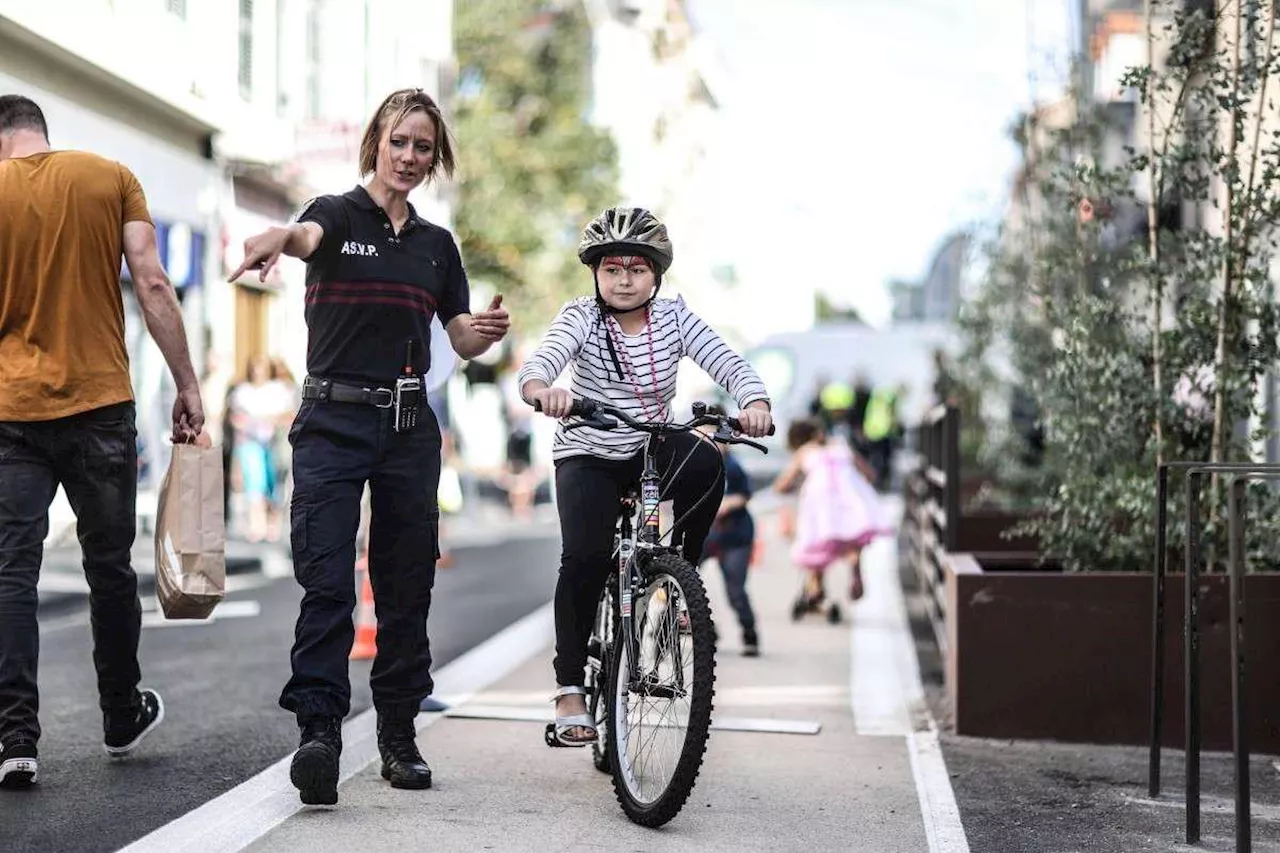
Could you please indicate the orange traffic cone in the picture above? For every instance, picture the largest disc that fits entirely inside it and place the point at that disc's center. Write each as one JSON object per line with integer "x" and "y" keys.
{"x": 366, "y": 644}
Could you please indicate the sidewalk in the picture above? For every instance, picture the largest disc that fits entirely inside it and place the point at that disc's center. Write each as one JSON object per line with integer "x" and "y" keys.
{"x": 858, "y": 784}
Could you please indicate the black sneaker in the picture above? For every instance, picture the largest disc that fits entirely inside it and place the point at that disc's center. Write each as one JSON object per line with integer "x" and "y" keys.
{"x": 402, "y": 765}
{"x": 314, "y": 771}
{"x": 124, "y": 731}
{"x": 750, "y": 644}
{"x": 18, "y": 765}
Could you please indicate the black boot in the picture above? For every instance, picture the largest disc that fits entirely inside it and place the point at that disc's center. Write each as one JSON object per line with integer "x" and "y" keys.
{"x": 402, "y": 764}
{"x": 314, "y": 771}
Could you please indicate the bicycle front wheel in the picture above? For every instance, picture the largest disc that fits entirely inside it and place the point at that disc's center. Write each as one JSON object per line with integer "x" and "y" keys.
{"x": 660, "y": 701}
{"x": 598, "y": 653}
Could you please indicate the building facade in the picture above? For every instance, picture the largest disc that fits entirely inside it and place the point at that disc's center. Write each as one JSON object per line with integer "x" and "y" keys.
{"x": 231, "y": 114}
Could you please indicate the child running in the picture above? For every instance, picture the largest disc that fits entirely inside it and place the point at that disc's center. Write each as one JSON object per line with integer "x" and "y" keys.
{"x": 838, "y": 514}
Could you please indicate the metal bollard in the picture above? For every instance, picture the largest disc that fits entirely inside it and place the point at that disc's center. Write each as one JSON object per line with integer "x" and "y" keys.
{"x": 1236, "y": 519}
{"x": 1157, "y": 638}
{"x": 1240, "y": 722}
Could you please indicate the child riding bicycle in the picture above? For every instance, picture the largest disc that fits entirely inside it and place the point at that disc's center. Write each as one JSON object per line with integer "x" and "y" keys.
{"x": 623, "y": 347}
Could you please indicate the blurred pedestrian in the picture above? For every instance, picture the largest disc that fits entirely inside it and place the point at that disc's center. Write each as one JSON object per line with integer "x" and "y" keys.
{"x": 286, "y": 392}
{"x": 857, "y": 415}
{"x": 835, "y": 400}
{"x": 215, "y": 386}
{"x": 67, "y": 413}
{"x": 257, "y": 405}
{"x": 519, "y": 477}
{"x": 882, "y": 429}
{"x": 731, "y": 542}
{"x": 377, "y": 273}
{"x": 839, "y": 512}
{"x": 449, "y": 495}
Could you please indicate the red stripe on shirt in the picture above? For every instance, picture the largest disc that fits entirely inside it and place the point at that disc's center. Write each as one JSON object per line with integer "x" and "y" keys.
{"x": 370, "y": 287}
{"x": 371, "y": 299}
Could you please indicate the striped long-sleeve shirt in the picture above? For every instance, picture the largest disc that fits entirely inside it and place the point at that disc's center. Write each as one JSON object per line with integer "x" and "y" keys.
{"x": 578, "y": 339}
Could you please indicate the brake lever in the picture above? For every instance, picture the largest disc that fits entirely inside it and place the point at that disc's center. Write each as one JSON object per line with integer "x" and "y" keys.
{"x": 749, "y": 443}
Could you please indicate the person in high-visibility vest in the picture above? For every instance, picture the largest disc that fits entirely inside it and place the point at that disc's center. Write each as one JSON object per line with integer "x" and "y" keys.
{"x": 880, "y": 426}
{"x": 832, "y": 403}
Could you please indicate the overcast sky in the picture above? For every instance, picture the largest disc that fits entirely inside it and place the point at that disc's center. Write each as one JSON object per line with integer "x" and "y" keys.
{"x": 871, "y": 127}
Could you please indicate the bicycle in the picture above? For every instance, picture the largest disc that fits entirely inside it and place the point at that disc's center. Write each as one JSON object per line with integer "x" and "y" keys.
{"x": 653, "y": 642}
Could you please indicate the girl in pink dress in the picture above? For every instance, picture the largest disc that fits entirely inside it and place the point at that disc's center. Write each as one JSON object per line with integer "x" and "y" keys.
{"x": 838, "y": 514}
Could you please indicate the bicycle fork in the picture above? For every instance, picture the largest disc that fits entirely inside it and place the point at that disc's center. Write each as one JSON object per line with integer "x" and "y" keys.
{"x": 630, "y": 580}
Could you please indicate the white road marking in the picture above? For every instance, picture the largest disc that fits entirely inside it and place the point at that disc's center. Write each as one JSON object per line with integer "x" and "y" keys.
{"x": 233, "y": 821}
{"x": 541, "y": 714}
{"x": 887, "y": 695}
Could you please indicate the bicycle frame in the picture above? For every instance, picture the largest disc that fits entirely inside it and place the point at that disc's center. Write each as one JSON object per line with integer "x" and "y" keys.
{"x": 631, "y": 546}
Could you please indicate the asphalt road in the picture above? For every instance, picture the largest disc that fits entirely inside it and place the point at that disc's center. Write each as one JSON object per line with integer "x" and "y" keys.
{"x": 220, "y": 683}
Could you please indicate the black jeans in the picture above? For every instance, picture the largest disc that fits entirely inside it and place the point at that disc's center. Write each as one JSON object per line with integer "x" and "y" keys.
{"x": 337, "y": 448}
{"x": 735, "y": 564}
{"x": 589, "y": 492}
{"x": 94, "y": 456}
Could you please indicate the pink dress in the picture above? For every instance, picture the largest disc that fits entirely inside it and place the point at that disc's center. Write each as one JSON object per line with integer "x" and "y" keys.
{"x": 839, "y": 511}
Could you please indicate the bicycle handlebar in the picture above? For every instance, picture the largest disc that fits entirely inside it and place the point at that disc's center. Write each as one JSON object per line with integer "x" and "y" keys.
{"x": 598, "y": 415}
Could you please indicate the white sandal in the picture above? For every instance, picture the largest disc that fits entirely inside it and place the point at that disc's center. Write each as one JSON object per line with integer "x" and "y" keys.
{"x": 573, "y": 721}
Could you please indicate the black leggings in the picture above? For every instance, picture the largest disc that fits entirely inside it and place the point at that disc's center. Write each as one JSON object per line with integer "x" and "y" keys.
{"x": 589, "y": 491}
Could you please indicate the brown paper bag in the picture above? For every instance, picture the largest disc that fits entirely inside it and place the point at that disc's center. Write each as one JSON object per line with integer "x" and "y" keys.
{"x": 191, "y": 538}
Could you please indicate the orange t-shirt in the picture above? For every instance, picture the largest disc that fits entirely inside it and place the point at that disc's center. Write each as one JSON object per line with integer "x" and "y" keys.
{"x": 62, "y": 347}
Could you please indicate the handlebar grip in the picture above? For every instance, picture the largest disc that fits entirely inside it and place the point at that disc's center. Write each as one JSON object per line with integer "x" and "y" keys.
{"x": 737, "y": 425}
{"x": 580, "y": 408}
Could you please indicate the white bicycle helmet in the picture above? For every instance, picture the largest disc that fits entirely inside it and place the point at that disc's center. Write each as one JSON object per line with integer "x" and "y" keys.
{"x": 626, "y": 231}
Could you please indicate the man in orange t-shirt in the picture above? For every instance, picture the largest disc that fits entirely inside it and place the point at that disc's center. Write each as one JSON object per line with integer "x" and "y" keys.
{"x": 67, "y": 415}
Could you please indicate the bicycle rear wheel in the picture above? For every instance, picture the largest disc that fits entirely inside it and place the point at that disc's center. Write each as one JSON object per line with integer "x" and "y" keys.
{"x": 660, "y": 706}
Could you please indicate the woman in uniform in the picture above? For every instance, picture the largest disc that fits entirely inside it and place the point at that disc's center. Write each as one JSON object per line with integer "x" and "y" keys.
{"x": 377, "y": 273}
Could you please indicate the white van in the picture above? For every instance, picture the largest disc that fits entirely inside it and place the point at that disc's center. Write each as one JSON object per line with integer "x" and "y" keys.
{"x": 794, "y": 364}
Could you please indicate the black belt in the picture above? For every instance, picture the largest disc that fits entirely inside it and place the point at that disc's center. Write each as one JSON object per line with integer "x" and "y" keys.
{"x": 326, "y": 390}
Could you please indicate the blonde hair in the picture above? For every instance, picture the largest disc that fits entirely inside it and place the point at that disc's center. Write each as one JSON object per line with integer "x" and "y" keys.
{"x": 393, "y": 110}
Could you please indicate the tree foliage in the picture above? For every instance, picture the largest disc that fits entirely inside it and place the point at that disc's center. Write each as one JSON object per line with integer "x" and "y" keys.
{"x": 533, "y": 170}
{"x": 826, "y": 311}
{"x": 1141, "y": 343}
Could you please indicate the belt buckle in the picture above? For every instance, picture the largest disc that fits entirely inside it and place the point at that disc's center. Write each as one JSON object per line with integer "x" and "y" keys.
{"x": 391, "y": 397}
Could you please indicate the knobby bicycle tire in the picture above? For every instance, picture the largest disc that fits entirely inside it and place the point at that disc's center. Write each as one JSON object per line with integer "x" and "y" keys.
{"x": 598, "y": 706}
{"x": 668, "y": 804}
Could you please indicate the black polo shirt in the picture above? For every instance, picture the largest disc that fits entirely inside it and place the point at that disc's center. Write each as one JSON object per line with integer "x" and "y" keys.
{"x": 370, "y": 290}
